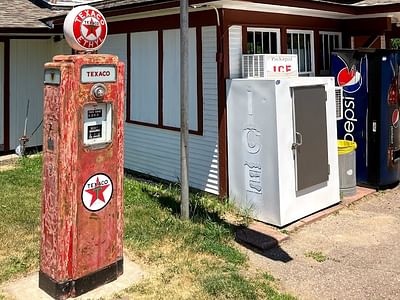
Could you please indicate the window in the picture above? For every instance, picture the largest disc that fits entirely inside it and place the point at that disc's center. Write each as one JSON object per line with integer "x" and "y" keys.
{"x": 301, "y": 42}
{"x": 328, "y": 42}
{"x": 263, "y": 41}
{"x": 144, "y": 77}
{"x": 171, "y": 82}
{"x": 155, "y": 84}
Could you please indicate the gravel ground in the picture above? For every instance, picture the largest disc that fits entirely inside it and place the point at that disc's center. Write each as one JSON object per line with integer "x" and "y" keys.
{"x": 359, "y": 247}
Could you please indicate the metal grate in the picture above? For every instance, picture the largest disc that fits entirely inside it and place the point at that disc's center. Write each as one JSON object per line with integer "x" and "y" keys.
{"x": 339, "y": 102}
{"x": 253, "y": 66}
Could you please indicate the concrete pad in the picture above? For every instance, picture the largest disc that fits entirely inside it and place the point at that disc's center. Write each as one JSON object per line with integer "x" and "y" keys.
{"x": 28, "y": 287}
{"x": 360, "y": 193}
{"x": 6, "y": 159}
{"x": 7, "y": 162}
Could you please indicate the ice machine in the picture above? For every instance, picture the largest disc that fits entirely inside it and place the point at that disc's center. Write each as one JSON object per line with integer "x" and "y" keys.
{"x": 282, "y": 153}
{"x": 369, "y": 81}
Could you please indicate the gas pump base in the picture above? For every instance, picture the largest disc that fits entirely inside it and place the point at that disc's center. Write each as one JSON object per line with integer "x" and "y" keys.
{"x": 77, "y": 287}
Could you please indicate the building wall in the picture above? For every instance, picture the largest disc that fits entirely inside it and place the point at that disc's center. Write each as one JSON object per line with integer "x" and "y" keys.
{"x": 235, "y": 51}
{"x": 363, "y": 41}
{"x": 156, "y": 151}
{"x": 27, "y": 59}
{"x": 1, "y": 94}
{"x": 116, "y": 44}
{"x": 26, "y": 84}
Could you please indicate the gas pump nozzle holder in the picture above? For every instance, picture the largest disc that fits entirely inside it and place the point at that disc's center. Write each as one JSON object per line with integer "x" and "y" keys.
{"x": 82, "y": 201}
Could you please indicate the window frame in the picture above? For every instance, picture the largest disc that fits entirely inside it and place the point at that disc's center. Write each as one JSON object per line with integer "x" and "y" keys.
{"x": 269, "y": 30}
{"x": 312, "y": 49}
{"x": 322, "y": 62}
{"x": 199, "y": 83}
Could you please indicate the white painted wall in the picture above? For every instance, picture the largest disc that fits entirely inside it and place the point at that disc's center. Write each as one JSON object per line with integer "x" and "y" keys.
{"x": 1, "y": 94}
{"x": 59, "y": 47}
{"x": 116, "y": 44}
{"x": 27, "y": 58}
{"x": 156, "y": 151}
{"x": 148, "y": 150}
{"x": 235, "y": 51}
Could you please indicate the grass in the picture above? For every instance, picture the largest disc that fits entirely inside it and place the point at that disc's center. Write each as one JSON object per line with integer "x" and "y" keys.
{"x": 316, "y": 255}
{"x": 194, "y": 259}
{"x": 19, "y": 218}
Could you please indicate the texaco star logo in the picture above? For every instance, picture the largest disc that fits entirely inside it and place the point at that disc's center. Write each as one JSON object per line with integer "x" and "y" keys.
{"x": 85, "y": 28}
{"x": 97, "y": 192}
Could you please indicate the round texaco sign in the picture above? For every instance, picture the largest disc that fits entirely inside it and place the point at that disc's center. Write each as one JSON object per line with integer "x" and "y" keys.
{"x": 85, "y": 28}
{"x": 97, "y": 192}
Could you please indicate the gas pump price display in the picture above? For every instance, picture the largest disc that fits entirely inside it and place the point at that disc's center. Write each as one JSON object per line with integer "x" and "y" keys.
{"x": 97, "y": 124}
{"x": 94, "y": 131}
{"x": 95, "y": 113}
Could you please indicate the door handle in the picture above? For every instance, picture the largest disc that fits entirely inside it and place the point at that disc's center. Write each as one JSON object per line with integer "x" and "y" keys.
{"x": 298, "y": 140}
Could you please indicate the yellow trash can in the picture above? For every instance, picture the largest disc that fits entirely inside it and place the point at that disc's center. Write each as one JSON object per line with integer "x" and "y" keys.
{"x": 347, "y": 167}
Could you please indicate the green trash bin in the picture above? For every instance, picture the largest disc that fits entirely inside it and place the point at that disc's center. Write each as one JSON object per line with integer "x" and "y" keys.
{"x": 347, "y": 167}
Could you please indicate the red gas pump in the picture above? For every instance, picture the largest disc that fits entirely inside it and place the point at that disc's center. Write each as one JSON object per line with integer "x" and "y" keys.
{"x": 82, "y": 202}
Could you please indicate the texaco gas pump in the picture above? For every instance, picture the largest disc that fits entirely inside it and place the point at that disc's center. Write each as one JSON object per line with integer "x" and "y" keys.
{"x": 82, "y": 202}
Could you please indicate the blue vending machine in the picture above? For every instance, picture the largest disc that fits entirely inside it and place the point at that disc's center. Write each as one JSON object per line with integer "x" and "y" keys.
{"x": 369, "y": 79}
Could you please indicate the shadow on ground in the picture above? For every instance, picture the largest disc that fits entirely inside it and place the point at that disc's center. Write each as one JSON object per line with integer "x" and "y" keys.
{"x": 262, "y": 244}
{"x": 253, "y": 240}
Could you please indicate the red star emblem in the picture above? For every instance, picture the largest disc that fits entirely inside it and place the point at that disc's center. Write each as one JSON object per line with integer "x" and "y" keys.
{"x": 97, "y": 192}
{"x": 91, "y": 27}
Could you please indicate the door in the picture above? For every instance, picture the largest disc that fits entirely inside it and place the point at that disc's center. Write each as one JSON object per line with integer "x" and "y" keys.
{"x": 310, "y": 136}
{"x": 1, "y": 96}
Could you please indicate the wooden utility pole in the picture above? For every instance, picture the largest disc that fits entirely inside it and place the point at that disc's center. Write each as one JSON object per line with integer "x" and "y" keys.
{"x": 184, "y": 18}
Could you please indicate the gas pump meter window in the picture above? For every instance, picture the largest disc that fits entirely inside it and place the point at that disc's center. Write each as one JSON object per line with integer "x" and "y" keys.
{"x": 97, "y": 124}
{"x": 97, "y": 120}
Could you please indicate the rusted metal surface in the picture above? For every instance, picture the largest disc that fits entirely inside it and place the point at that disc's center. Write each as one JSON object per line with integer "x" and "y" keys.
{"x": 75, "y": 240}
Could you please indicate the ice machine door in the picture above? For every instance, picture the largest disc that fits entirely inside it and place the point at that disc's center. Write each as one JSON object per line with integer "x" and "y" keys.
{"x": 310, "y": 143}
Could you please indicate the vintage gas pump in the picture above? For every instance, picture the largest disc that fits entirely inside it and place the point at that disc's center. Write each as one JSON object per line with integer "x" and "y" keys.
{"x": 82, "y": 202}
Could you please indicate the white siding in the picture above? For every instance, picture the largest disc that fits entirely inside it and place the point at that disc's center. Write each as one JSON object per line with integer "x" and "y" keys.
{"x": 235, "y": 51}
{"x": 60, "y": 47}
{"x": 156, "y": 151}
{"x": 116, "y": 44}
{"x": 27, "y": 58}
{"x": 1, "y": 94}
{"x": 144, "y": 96}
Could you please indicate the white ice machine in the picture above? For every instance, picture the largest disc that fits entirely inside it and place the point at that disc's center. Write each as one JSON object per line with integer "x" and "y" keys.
{"x": 282, "y": 151}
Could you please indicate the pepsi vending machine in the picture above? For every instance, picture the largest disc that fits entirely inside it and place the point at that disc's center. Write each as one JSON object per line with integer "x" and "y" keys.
{"x": 369, "y": 79}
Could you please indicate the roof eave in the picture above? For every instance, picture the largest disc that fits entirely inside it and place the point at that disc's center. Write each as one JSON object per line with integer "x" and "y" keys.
{"x": 350, "y": 10}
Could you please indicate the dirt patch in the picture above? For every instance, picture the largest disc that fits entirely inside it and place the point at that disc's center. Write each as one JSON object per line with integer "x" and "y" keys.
{"x": 360, "y": 247}
{"x": 8, "y": 162}
{"x": 7, "y": 167}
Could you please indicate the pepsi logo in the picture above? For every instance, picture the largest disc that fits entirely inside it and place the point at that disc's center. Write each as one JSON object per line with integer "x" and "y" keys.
{"x": 349, "y": 79}
{"x": 395, "y": 118}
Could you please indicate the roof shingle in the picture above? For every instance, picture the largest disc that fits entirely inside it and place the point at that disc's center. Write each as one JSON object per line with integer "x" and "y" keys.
{"x": 23, "y": 14}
